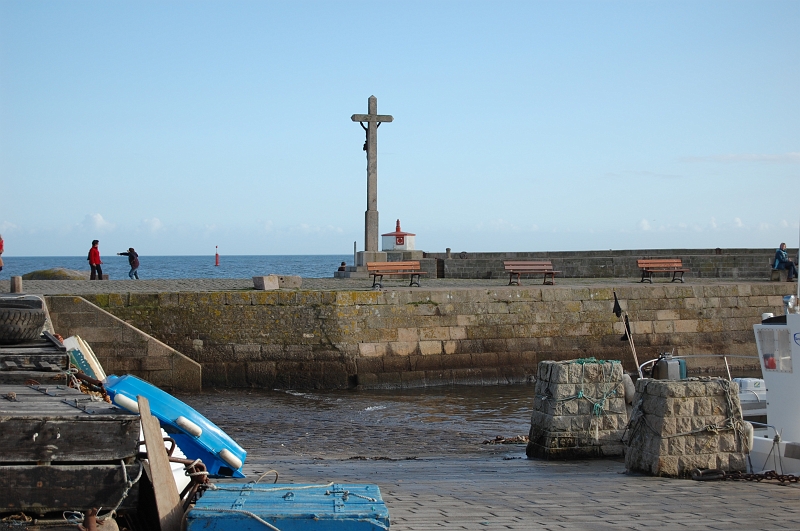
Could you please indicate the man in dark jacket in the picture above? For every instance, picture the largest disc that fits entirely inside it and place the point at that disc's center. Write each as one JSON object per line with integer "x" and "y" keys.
{"x": 133, "y": 260}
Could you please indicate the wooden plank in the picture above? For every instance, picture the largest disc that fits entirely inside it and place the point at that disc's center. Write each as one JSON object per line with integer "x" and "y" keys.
{"x": 18, "y": 401}
{"x": 16, "y": 349}
{"x": 25, "y": 440}
{"x": 42, "y": 489}
{"x": 21, "y": 377}
{"x": 168, "y": 502}
{"x": 59, "y": 360}
{"x": 410, "y": 266}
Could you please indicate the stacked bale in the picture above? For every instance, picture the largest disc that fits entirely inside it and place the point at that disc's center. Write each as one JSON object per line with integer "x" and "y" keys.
{"x": 679, "y": 426}
{"x": 579, "y": 410}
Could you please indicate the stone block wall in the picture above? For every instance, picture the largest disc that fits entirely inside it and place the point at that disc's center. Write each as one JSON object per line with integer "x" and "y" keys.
{"x": 679, "y": 426}
{"x": 121, "y": 348}
{"x": 704, "y": 263}
{"x": 578, "y": 410}
{"x": 411, "y": 337}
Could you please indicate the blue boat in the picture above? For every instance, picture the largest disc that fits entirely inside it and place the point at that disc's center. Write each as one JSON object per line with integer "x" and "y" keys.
{"x": 287, "y": 507}
{"x": 195, "y": 435}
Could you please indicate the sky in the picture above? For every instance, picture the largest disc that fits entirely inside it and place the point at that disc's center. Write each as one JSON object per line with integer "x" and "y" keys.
{"x": 178, "y": 127}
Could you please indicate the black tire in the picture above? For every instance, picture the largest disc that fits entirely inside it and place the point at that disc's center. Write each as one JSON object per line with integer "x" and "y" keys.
{"x": 20, "y": 323}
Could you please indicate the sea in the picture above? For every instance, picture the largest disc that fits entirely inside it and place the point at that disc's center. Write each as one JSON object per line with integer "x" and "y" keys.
{"x": 168, "y": 267}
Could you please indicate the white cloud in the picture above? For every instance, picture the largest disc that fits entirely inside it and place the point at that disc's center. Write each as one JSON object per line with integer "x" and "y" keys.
{"x": 96, "y": 222}
{"x": 737, "y": 222}
{"x": 7, "y": 226}
{"x": 713, "y": 223}
{"x": 784, "y": 224}
{"x": 644, "y": 225}
{"x": 764, "y": 226}
{"x": 644, "y": 173}
{"x": 501, "y": 225}
{"x": 317, "y": 229}
{"x": 770, "y": 158}
{"x": 153, "y": 224}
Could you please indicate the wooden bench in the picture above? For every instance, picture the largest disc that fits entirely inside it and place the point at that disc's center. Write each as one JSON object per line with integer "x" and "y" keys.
{"x": 661, "y": 265}
{"x": 520, "y": 267}
{"x": 377, "y": 270}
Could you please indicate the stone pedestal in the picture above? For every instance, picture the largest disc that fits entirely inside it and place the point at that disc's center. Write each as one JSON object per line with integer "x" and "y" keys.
{"x": 779, "y": 275}
{"x": 579, "y": 410}
{"x": 352, "y": 272}
{"x": 16, "y": 285}
{"x": 290, "y": 281}
{"x": 362, "y": 257}
{"x": 266, "y": 283}
{"x": 401, "y": 256}
{"x": 679, "y": 426}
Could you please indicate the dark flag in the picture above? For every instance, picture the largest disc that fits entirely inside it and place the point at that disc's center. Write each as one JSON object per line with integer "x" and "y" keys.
{"x": 617, "y": 308}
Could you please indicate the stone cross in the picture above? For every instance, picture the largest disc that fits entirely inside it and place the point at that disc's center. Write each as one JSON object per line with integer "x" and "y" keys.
{"x": 373, "y": 120}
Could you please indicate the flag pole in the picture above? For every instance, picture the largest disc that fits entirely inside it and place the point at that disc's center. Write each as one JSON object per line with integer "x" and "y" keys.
{"x": 627, "y": 327}
{"x": 633, "y": 347}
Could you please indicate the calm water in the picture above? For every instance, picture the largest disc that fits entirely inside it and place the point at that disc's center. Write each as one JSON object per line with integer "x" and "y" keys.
{"x": 397, "y": 423}
{"x": 155, "y": 267}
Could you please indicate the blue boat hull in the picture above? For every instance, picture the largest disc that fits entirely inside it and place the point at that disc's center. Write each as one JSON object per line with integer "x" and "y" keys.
{"x": 195, "y": 435}
{"x": 333, "y": 507}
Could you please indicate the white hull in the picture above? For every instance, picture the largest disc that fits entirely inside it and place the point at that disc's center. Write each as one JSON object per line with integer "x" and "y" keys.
{"x": 783, "y": 457}
{"x": 777, "y": 447}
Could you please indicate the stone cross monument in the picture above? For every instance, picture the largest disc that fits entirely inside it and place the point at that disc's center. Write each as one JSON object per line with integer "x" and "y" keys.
{"x": 373, "y": 121}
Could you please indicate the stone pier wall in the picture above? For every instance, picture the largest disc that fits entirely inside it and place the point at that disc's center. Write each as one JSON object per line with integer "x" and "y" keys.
{"x": 704, "y": 263}
{"x": 121, "y": 348}
{"x": 416, "y": 337}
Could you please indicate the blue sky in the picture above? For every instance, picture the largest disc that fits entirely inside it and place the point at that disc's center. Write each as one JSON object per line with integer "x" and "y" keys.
{"x": 174, "y": 127}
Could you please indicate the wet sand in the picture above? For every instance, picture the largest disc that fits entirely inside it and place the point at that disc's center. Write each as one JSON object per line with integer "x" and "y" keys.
{"x": 424, "y": 449}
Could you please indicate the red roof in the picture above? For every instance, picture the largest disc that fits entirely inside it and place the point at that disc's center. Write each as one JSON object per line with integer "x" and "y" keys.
{"x": 398, "y": 232}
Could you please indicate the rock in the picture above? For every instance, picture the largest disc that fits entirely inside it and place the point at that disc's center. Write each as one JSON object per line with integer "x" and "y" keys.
{"x": 57, "y": 273}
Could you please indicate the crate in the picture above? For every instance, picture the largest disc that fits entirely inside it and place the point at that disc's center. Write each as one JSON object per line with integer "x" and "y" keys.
{"x": 246, "y": 506}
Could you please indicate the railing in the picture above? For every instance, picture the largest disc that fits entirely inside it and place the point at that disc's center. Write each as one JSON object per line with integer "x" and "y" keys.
{"x": 686, "y": 356}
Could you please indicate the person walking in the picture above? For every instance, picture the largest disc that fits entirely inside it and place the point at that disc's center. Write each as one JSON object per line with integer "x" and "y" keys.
{"x": 94, "y": 261}
{"x": 133, "y": 260}
{"x": 782, "y": 261}
{"x": 1, "y": 252}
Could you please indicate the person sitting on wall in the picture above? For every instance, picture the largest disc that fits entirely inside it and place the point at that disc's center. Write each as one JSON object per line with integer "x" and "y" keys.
{"x": 343, "y": 267}
{"x": 782, "y": 262}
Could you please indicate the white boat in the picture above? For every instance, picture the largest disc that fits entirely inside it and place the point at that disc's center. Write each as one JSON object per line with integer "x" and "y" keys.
{"x": 753, "y": 399}
{"x": 776, "y": 443}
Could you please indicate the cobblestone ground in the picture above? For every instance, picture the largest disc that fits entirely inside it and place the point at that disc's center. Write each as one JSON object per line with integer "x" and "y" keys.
{"x": 79, "y": 287}
{"x": 424, "y": 449}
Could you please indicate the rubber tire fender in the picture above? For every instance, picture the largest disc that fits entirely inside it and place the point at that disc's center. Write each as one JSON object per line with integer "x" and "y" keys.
{"x": 20, "y": 323}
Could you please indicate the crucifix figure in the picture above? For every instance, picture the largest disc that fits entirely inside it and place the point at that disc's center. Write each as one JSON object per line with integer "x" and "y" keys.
{"x": 373, "y": 120}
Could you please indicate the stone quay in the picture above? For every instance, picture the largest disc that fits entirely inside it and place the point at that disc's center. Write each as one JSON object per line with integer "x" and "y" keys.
{"x": 335, "y": 333}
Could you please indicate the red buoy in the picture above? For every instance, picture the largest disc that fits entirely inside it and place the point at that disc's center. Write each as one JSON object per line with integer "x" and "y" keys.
{"x": 216, "y": 255}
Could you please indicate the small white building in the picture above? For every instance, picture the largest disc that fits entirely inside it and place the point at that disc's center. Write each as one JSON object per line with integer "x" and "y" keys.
{"x": 397, "y": 240}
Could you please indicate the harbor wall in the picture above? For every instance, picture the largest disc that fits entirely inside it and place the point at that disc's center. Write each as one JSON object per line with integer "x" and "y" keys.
{"x": 121, "y": 348}
{"x": 703, "y": 263}
{"x": 405, "y": 337}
